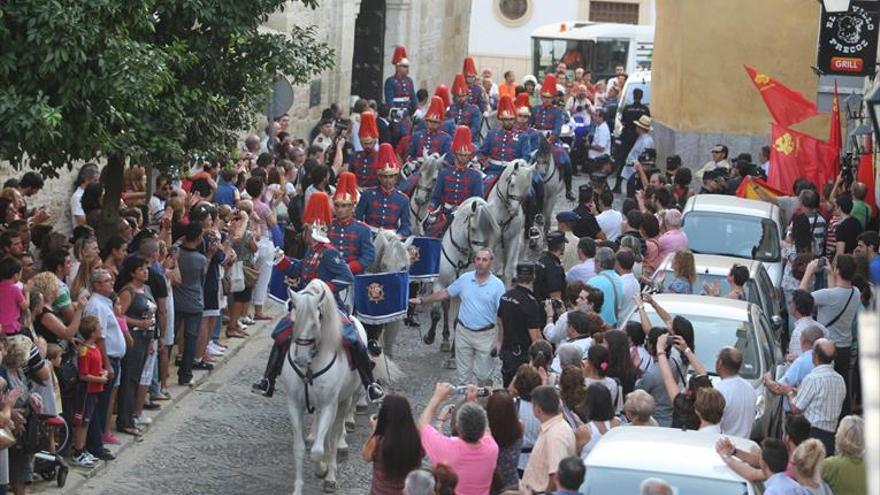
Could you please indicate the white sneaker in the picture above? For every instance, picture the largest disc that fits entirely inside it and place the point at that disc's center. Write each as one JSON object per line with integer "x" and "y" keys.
{"x": 246, "y": 321}
{"x": 214, "y": 349}
{"x": 90, "y": 456}
{"x": 142, "y": 420}
{"x": 84, "y": 459}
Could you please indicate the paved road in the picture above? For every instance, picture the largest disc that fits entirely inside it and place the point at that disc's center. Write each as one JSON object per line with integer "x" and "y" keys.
{"x": 223, "y": 439}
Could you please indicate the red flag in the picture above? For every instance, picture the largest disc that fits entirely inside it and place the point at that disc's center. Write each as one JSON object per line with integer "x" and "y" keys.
{"x": 834, "y": 138}
{"x": 786, "y": 106}
{"x": 867, "y": 176}
{"x": 794, "y": 154}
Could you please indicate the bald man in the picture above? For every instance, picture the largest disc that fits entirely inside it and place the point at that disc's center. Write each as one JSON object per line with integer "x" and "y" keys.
{"x": 739, "y": 395}
{"x": 821, "y": 394}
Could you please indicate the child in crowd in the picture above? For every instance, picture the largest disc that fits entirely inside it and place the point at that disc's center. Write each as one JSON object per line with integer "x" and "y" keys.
{"x": 92, "y": 377}
{"x": 11, "y": 294}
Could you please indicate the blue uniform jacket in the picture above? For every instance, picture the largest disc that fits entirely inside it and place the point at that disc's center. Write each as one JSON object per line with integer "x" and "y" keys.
{"x": 477, "y": 97}
{"x": 354, "y": 241}
{"x": 531, "y": 135}
{"x": 436, "y": 142}
{"x": 468, "y": 115}
{"x": 320, "y": 261}
{"x": 548, "y": 119}
{"x": 385, "y": 210}
{"x": 400, "y": 87}
{"x": 448, "y": 126}
{"x": 362, "y": 167}
{"x": 455, "y": 185}
{"x": 504, "y": 145}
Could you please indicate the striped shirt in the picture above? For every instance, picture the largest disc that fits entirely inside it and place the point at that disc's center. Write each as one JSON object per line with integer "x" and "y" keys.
{"x": 820, "y": 397}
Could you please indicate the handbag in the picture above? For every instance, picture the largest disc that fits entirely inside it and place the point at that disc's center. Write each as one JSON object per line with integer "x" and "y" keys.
{"x": 7, "y": 439}
{"x": 251, "y": 273}
{"x": 236, "y": 277}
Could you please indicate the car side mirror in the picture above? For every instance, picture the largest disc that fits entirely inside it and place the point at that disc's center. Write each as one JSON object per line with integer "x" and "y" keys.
{"x": 776, "y": 321}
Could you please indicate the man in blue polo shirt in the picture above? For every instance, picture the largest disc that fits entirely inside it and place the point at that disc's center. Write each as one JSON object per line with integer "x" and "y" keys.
{"x": 480, "y": 293}
{"x": 609, "y": 282}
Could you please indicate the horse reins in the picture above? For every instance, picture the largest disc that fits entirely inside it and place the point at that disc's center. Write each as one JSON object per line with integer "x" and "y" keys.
{"x": 466, "y": 252}
{"x": 308, "y": 377}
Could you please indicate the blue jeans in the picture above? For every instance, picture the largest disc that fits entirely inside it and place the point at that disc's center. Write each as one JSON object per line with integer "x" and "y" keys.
{"x": 190, "y": 323}
{"x": 218, "y": 327}
{"x": 94, "y": 444}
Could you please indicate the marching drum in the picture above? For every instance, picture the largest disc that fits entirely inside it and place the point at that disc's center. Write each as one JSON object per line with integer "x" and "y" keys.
{"x": 425, "y": 257}
{"x": 381, "y": 298}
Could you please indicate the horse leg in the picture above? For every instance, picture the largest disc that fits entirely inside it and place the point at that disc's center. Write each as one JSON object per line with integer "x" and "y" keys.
{"x": 389, "y": 336}
{"x": 299, "y": 446}
{"x": 444, "y": 346}
{"x": 319, "y": 448}
{"x": 335, "y": 435}
{"x": 432, "y": 330}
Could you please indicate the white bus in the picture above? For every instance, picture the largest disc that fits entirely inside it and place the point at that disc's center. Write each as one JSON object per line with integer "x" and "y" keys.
{"x": 598, "y": 47}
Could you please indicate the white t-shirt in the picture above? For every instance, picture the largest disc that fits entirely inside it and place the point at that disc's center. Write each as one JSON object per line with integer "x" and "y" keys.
{"x": 601, "y": 137}
{"x": 582, "y": 343}
{"x": 739, "y": 406}
{"x": 76, "y": 208}
{"x": 611, "y": 222}
{"x": 631, "y": 287}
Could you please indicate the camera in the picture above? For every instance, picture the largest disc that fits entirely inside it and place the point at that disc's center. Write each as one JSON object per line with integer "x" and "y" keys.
{"x": 342, "y": 124}
{"x": 481, "y": 391}
{"x": 396, "y": 114}
{"x": 556, "y": 304}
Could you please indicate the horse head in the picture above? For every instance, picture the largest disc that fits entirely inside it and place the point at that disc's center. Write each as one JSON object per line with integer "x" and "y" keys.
{"x": 514, "y": 182}
{"x": 474, "y": 224}
{"x": 428, "y": 173}
{"x": 392, "y": 254}
{"x": 316, "y": 323}
{"x": 544, "y": 156}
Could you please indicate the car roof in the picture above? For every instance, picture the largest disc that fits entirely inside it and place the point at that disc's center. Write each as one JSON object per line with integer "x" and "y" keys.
{"x": 714, "y": 264}
{"x": 723, "y": 203}
{"x": 724, "y": 308}
{"x": 683, "y": 452}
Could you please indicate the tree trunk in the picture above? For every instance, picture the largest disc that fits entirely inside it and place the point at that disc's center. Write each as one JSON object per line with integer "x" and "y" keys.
{"x": 111, "y": 179}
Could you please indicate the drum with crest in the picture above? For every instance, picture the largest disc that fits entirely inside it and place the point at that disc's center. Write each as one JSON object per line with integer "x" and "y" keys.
{"x": 381, "y": 298}
{"x": 424, "y": 255}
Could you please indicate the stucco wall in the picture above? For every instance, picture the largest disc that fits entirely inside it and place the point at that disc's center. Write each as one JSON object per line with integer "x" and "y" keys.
{"x": 699, "y": 84}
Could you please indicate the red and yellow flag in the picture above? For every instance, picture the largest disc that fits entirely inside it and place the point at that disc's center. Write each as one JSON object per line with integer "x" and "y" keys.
{"x": 786, "y": 106}
{"x": 794, "y": 154}
{"x": 749, "y": 190}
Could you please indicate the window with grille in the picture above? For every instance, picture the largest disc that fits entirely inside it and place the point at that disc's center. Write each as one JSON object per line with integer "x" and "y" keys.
{"x": 624, "y": 13}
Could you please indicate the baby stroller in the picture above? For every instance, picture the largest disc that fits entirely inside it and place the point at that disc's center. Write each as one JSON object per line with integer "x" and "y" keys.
{"x": 48, "y": 465}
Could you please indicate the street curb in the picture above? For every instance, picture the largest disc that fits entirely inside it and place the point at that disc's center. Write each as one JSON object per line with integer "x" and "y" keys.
{"x": 78, "y": 477}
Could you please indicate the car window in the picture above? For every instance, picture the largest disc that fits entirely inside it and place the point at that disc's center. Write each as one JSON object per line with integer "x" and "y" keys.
{"x": 772, "y": 306}
{"x": 728, "y": 234}
{"x": 664, "y": 278}
{"x": 755, "y": 295}
{"x": 604, "y": 480}
{"x": 646, "y": 92}
{"x": 765, "y": 341}
{"x": 712, "y": 333}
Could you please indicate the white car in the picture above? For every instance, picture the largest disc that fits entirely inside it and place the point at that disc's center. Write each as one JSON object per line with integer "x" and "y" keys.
{"x": 737, "y": 227}
{"x": 720, "y": 322}
{"x": 685, "y": 459}
{"x": 714, "y": 269}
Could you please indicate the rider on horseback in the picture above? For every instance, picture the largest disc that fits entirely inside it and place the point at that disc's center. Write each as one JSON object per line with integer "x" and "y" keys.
{"x": 432, "y": 139}
{"x": 456, "y": 184}
{"x": 323, "y": 262}
{"x": 533, "y": 137}
{"x": 548, "y": 117}
{"x": 476, "y": 94}
{"x": 363, "y": 164}
{"x": 399, "y": 88}
{"x": 385, "y": 207}
{"x": 505, "y": 144}
{"x": 350, "y": 237}
{"x": 462, "y": 112}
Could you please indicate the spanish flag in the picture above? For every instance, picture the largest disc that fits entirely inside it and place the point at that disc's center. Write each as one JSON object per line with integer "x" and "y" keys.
{"x": 750, "y": 191}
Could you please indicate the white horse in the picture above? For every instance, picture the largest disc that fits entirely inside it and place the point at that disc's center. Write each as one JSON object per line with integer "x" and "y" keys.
{"x": 554, "y": 184}
{"x": 392, "y": 255}
{"x": 505, "y": 204}
{"x": 421, "y": 195}
{"x": 317, "y": 378}
{"x": 473, "y": 228}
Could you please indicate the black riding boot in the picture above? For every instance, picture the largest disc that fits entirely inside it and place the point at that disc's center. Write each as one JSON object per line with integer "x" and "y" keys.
{"x": 566, "y": 177}
{"x": 266, "y": 384}
{"x": 365, "y": 370}
{"x": 374, "y": 332}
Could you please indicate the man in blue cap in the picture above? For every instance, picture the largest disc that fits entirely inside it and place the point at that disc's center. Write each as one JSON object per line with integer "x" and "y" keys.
{"x": 566, "y": 220}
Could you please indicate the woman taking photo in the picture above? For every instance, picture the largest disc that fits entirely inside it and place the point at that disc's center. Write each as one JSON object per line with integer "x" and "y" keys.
{"x": 394, "y": 448}
{"x": 139, "y": 309}
{"x": 508, "y": 434}
{"x": 683, "y": 413}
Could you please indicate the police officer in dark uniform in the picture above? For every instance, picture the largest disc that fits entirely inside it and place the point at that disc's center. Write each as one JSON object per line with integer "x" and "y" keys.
{"x": 586, "y": 225}
{"x": 549, "y": 273}
{"x": 628, "y": 117}
{"x": 648, "y": 160}
{"x": 520, "y": 316}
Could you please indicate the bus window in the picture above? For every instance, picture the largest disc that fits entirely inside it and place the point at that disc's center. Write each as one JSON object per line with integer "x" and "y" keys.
{"x": 607, "y": 55}
{"x": 548, "y": 53}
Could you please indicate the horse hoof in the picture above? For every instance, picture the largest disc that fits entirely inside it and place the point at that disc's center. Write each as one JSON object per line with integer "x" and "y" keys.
{"x": 320, "y": 470}
{"x": 329, "y": 486}
{"x": 444, "y": 346}
{"x": 428, "y": 338}
{"x": 449, "y": 364}
{"x": 349, "y": 426}
{"x": 342, "y": 451}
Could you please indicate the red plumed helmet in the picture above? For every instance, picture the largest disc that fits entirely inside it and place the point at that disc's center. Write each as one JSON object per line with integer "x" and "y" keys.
{"x": 436, "y": 111}
{"x": 387, "y": 162}
{"x": 317, "y": 214}
{"x": 462, "y": 142}
{"x": 368, "y": 126}
{"x": 399, "y": 57}
{"x": 459, "y": 86}
{"x": 443, "y": 92}
{"x": 548, "y": 87}
{"x": 505, "y": 108}
{"x": 346, "y": 188}
{"x": 523, "y": 104}
{"x": 469, "y": 68}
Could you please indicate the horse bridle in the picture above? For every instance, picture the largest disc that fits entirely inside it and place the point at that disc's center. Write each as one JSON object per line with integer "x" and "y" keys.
{"x": 308, "y": 376}
{"x": 467, "y": 252}
{"x": 507, "y": 202}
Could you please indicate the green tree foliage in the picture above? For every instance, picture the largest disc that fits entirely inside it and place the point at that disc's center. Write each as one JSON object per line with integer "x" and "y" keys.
{"x": 158, "y": 81}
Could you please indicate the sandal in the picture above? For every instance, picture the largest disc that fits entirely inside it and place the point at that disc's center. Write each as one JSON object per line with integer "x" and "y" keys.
{"x": 130, "y": 430}
{"x": 235, "y": 334}
{"x": 262, "y": 317}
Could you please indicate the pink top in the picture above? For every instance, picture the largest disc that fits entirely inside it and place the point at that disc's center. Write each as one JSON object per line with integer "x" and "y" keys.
{"x": 671, "y": 241}
{"x": 11, "y": 298}
{"x": 473, "y": 463}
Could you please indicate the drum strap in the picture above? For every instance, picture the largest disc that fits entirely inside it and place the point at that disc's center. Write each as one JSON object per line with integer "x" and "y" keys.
{"x": 308, "y": 377}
